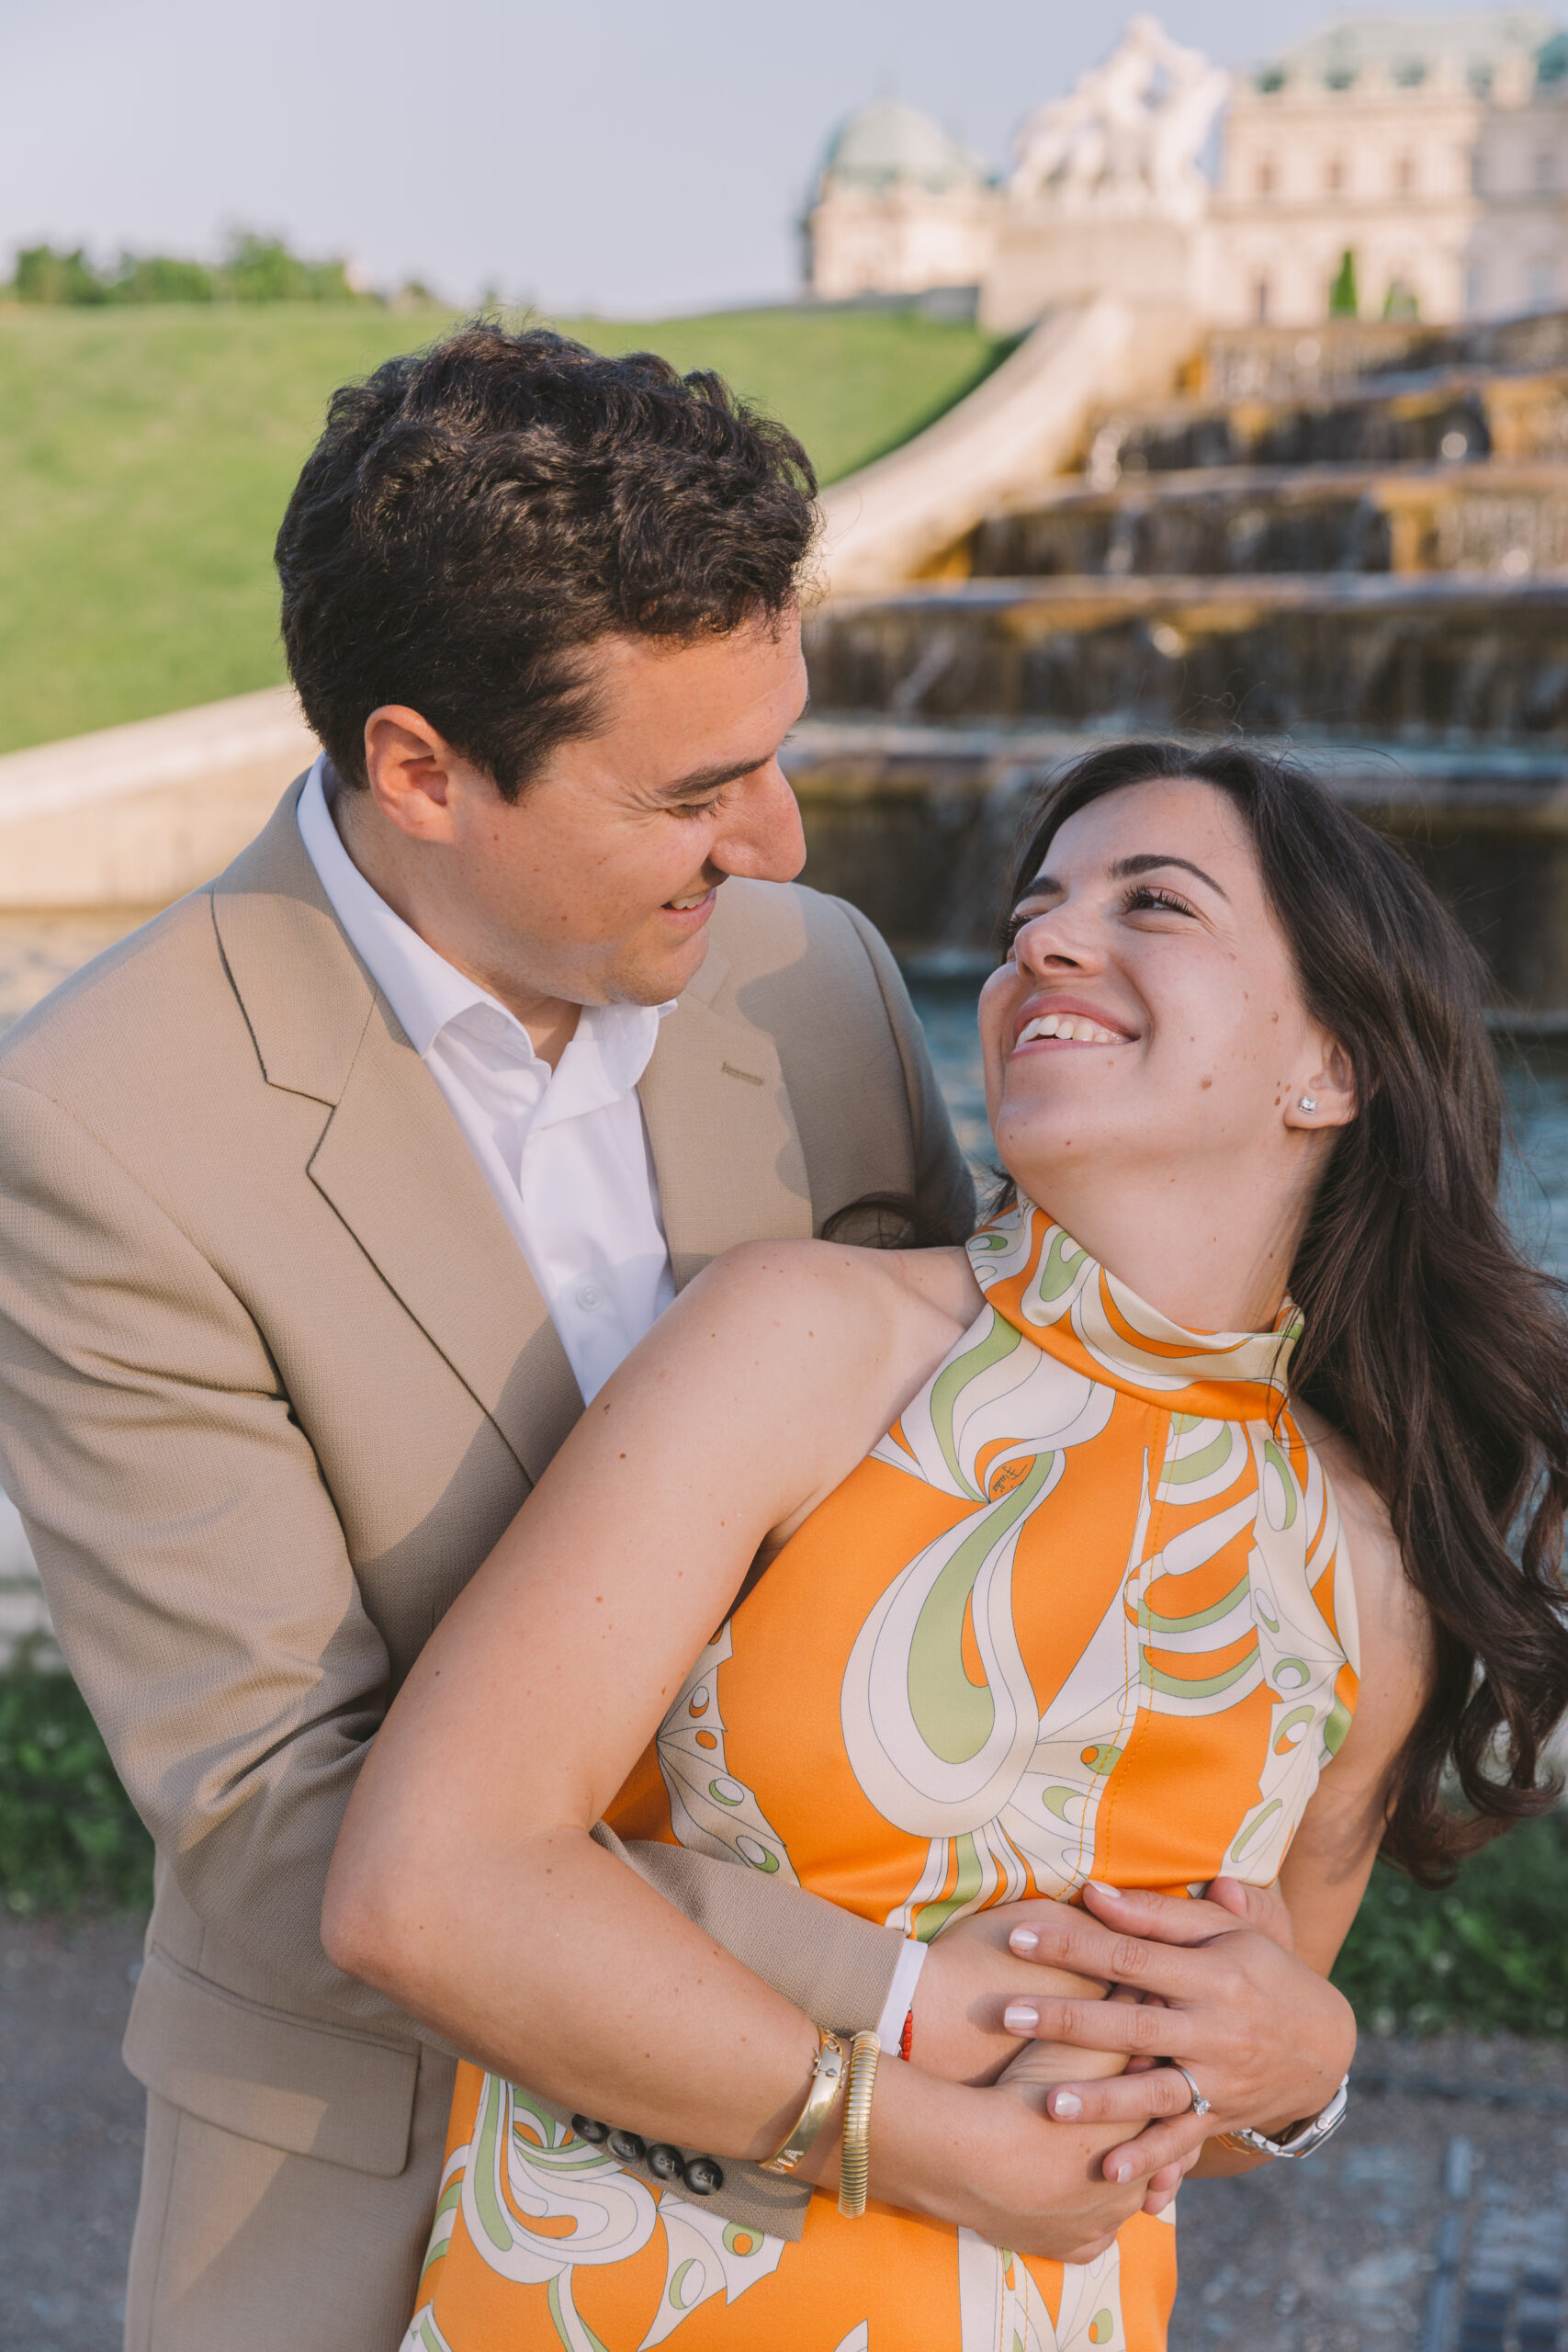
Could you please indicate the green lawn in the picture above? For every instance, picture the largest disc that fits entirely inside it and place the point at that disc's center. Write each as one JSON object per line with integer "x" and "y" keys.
{"x": 146, "y": 455}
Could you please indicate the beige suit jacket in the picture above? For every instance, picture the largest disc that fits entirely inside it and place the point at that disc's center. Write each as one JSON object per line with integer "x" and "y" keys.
{"x": 274, "y": 1376}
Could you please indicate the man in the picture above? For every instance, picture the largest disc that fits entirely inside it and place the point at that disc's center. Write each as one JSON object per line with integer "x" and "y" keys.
{"x": 328, "y": 1198}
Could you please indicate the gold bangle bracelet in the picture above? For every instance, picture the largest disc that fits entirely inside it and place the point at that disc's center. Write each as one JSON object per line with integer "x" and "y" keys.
{"x": 827, "y": 2075}
{"x": 855, "y": 2161}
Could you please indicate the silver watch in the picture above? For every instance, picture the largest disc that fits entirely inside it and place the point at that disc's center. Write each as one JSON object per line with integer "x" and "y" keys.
{"x": 1302, "y": 2138}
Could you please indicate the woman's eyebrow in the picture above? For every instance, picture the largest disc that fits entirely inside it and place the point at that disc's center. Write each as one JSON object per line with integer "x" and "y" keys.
{"x": 1126, "y": 867}
{"x": 1046, "y": 885}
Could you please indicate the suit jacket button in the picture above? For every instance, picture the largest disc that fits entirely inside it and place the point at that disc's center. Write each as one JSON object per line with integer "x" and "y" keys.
{"x": 628, "y": 2146}
{"x": 586, "y": 2128}
{"x": 702, "y": 2176}
{"x": 663, "y": 2160}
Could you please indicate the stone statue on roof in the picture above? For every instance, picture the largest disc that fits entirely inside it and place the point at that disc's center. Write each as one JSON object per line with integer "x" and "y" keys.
{"x": 1127, "y": 139}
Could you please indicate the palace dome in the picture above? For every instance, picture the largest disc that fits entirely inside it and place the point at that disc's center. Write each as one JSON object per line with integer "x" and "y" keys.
{"x": 888, "y": 142}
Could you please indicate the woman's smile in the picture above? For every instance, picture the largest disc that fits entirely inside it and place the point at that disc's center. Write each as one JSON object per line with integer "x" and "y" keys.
{"x": 1067, "y": 1022}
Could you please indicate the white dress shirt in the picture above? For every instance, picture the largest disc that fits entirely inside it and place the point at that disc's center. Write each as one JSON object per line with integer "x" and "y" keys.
{"x": 564, "y": 1151}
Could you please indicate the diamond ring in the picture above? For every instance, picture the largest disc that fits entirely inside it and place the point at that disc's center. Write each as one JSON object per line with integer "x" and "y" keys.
{"x": 1200, "y": 2103}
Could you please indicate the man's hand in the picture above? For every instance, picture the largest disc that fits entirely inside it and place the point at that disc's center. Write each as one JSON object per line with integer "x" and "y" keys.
{"x": 1266, "y": 2038}
{"x": 1048, "y": 2064}
{"x": 971, "y": 1974}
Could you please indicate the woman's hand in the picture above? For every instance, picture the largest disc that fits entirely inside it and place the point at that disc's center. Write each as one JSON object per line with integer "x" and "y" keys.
{"x": 1266, "y": 2038}
{"x": 993, "y": 2160}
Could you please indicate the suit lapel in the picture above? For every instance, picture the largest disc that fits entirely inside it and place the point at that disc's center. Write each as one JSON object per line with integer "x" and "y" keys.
{"x": 391, "y": 1159}
{"x": 394, "y": 1164}
{"x": 725, "y": 1149}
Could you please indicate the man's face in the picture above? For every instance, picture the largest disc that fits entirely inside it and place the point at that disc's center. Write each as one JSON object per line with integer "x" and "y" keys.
{"x": 597, "y": 886}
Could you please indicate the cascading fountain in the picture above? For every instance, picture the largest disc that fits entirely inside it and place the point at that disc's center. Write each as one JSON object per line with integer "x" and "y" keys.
{"x": 1354, "y": 541}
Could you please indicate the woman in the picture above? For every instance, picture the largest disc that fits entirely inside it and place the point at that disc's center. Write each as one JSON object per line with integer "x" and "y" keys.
{"x": 1043, "y": 1583}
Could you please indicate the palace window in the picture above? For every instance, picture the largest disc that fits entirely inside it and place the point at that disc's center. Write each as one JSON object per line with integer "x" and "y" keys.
{"x": 1265, "y": 177}
{"x": 1334, "y": 175}
{"x": 1545, "y": 170}
{"x": 1260, "y": 291}
{"x": 1542, "y": 285}
{"x": 1404, "y": 174}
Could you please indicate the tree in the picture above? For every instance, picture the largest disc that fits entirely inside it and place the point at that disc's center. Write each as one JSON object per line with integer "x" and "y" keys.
{"x": 1343, "y": 302}
{"x": 44, "y": 275}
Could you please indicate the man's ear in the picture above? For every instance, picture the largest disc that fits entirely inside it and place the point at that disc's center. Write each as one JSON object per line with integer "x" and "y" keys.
{"x": 409, "y": 768}
{"x": 1327, "y": 1097}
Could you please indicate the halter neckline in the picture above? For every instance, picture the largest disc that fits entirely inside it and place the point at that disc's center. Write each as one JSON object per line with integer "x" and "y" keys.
{"x": 1042, "y": 1282}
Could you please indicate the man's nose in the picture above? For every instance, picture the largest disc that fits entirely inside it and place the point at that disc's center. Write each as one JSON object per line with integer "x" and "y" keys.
{"x": 763, "y": 840}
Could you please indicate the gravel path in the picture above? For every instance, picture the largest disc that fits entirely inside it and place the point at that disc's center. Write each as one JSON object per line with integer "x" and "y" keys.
{"x": 70, "y": 2132}
{"x": 1430, "y": 2223}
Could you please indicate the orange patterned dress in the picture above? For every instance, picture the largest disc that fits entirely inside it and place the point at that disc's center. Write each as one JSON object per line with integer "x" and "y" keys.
{"x": 1084, "y": 1611}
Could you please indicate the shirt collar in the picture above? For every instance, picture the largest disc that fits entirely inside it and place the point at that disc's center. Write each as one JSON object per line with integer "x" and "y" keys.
{"x": 427, "y": 993}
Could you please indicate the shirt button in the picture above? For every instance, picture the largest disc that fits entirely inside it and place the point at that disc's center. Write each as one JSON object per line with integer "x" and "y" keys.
{"x": 589, "y": 1297}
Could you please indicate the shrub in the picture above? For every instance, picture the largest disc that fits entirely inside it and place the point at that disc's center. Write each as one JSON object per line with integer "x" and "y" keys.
{"x": 159, "y": 277}
{"x": 1343, "y": 300}
{"x": 262, "y": 269}
{"x": 69, "y": 1838}
{"x": 1488, "y": 1954}
{"x": 253, "y": 269}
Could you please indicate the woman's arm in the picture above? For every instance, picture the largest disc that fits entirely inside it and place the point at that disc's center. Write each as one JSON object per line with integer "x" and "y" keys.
{"x": 466, "y": 1884}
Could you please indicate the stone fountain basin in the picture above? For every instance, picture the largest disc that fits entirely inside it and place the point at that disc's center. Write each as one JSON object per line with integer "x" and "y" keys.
{"x": 1431, "y": 660}
{"x": 1457, "y": 413}
{"x": 1511, "y": 518}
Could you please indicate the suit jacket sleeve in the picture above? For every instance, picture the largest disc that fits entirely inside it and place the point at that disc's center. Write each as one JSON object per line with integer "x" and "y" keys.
{"x": 945, "y": 1187}
{"x": 193, "y": 1563}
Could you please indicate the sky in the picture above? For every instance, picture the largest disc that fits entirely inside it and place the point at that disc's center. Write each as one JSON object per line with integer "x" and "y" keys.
{"x": 632, "y": 158}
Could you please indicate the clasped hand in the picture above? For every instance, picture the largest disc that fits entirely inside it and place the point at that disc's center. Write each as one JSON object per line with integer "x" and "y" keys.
{"x": 1213, "y": 1984}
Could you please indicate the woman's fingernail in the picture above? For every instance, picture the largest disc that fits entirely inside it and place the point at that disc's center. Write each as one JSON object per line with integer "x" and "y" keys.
{"x": 1124, "y": 2173}
{"x": 1111, "y": 1894}
{"x": 1065, "y": 2104}
{"x": 1020, "y": 2018}
{"x": 1023, "y": 1940}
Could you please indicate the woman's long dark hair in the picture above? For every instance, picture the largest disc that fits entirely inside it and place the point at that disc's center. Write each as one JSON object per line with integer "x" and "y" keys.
{"x": 1430, "y": 1341}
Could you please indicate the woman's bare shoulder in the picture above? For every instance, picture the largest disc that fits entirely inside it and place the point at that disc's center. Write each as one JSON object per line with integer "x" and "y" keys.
{"x": 1396, "y": 1629}
{"x": 818, "y": 1320}
{"x": 843, "y": 1280}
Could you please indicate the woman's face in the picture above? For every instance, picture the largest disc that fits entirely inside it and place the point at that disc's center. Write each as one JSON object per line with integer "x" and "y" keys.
{"x": 1148, "y": 1014}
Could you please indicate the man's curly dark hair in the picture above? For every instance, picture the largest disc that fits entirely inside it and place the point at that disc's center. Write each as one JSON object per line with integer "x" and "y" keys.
{"x": 478, "y": 514}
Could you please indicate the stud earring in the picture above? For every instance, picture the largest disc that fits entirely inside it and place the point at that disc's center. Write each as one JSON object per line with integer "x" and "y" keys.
{"x": 1308, "y": 1102}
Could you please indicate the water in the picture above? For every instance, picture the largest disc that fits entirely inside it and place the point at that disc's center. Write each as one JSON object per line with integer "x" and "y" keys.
{"x": 1535, "y": 1083}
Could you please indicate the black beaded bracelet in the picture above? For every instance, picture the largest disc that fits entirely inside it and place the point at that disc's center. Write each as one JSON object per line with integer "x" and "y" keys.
{"x": 702, "y": 2175}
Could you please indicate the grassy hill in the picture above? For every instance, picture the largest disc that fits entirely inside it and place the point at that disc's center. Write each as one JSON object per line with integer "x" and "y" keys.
{"x": 146, "y": 455}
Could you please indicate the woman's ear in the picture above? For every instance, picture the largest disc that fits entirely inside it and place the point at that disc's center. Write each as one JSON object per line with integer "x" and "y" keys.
{"x": 1327, "y": 1098}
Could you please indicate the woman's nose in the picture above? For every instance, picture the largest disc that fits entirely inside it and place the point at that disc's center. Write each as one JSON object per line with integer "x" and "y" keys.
{"x": 1057, "y": 940}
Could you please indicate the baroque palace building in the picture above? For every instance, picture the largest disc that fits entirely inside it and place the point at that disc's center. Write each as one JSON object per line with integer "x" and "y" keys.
{"x": 1387, "y": 166}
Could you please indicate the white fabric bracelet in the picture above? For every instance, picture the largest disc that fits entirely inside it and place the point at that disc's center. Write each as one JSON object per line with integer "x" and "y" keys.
{"x": 900, "y": 1996}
